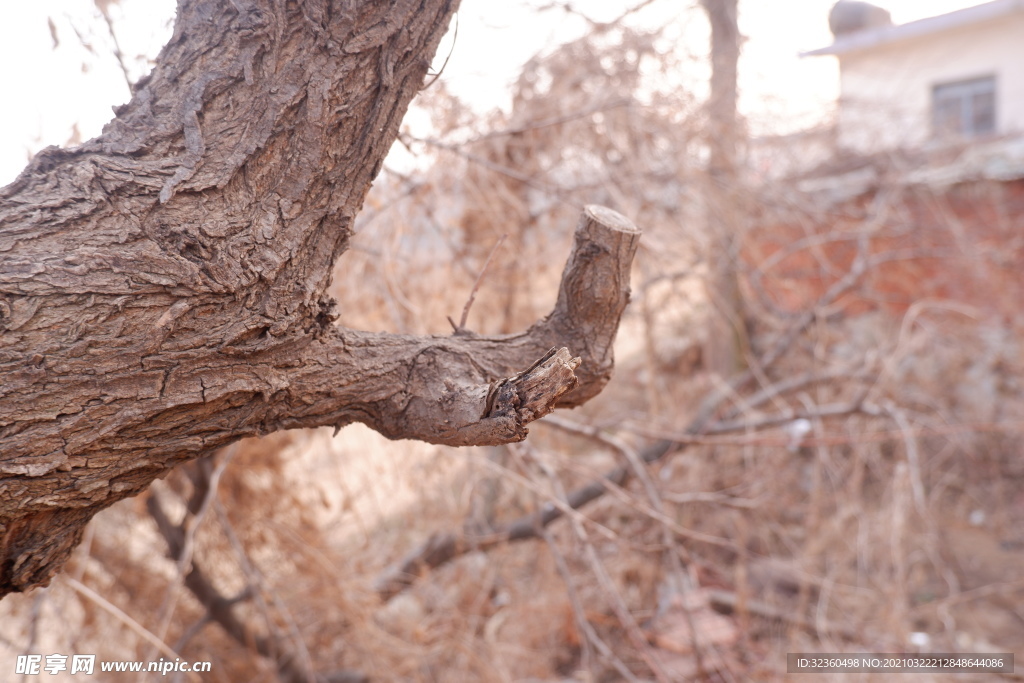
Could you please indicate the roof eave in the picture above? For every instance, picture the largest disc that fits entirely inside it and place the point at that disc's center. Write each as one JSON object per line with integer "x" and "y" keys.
{"x": 869, "y": 38}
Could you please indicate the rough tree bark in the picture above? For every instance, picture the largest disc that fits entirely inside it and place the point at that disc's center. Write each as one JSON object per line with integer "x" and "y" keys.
{"x": 162, "y": 287}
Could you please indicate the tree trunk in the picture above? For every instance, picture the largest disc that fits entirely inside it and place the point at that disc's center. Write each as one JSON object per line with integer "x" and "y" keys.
{"x": 162, "y": 287}
{"x": 728, "y": 334}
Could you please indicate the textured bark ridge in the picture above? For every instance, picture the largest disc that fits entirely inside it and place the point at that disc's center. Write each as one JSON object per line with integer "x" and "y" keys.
{"x": 162, "y": 287}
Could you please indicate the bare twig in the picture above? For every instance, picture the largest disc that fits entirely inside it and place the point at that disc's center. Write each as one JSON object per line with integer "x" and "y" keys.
{"x": 455, "y": 38}
{"x": 35, "y": 616}
{"x": 102, "y": 6}
{"x": 443, "y": 547}
{"x": 669, "y": 528}
{"x": 589, "y": 636}
{"x": 728, "y": 601}
{"x": 293, "y": 665}
{"x": 294, "y": 658}
{"x": 189, "y": 527}
{"x": 461, "y": 327}
{"x": 708, "y": 436}
{"x": 654, "y": 510}
{"x": 124, "y": 618}
{"x": 524, "y": 178}
{"x": 600, "y": 572}
{"x": 554, "y": 120}
{"x": 714, "y": 497}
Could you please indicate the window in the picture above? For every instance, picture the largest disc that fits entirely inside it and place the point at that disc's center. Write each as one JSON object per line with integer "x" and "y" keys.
{"x": 964, "y": 108}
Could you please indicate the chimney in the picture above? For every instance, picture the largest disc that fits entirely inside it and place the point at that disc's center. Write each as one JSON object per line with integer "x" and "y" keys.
{"x": 851, "y": 16}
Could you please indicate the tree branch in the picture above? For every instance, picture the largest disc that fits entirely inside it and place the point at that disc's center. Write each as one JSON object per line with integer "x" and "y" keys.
{"x": 469, "y": 389}
{"x": 163, "y": 286}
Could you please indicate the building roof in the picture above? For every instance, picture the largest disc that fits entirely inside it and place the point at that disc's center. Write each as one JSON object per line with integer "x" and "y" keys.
{"x": 872, "y": 37}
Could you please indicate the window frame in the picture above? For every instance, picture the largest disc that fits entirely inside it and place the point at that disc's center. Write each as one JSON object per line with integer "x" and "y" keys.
{"x": 955, "y": 102}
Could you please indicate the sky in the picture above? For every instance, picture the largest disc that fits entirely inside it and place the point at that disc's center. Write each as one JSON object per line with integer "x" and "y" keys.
{"x": 54, "y": 92}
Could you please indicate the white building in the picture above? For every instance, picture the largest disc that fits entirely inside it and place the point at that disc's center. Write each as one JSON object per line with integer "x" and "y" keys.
{"x": 955, "y": 76}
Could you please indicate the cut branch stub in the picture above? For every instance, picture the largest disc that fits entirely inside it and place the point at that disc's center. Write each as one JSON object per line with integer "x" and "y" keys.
{"x": 516, "y": 401}
{"x": 593, "y": 295}
{"x": 473, "y": 390}
{"x": 537, "y": 390}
